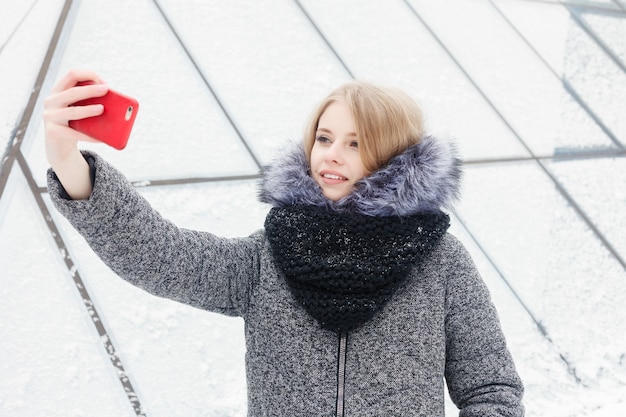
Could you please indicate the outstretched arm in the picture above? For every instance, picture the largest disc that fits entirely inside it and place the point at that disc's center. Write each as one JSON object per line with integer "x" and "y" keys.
{"x": 151, "y": 252}
{"x": 132, "y": 238}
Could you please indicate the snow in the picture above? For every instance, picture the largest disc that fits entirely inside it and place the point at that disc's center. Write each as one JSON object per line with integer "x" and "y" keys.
{"x": 53, "y": 363}
{"x": 546, "y": 235}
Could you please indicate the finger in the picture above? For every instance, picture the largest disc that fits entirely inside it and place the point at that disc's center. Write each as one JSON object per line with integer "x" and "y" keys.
{"x": 62, "y": 116}
{"x": 73, "y": 77}
{"x": 75, "y": 94}
{"x": 56, "y": 132}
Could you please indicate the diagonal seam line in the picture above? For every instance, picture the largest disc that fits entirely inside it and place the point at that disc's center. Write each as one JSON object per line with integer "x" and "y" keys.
{"x": 560, "y": 188}
{"x": 612, "y": 6}
{"x": 14, "y": 153}
{"x": 583, "y": 215}
{"x": 579, "y": 211}
{"x": 82, "y": 289}
{"x": 542, "y": 329}
{"x": 583, "y": 104}
{"x": 469, "y": 78}
{"x": 576, "y": 13}
{"x": 15, "y": 143}
{"x": 208, "y": 85}
{"x": 324, "y": 38}
{"x": 17, "y": 27}
{"x": 566, "y": 84}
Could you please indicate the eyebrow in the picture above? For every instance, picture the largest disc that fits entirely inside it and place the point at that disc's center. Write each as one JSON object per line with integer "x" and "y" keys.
{"x": 323, "y": 129}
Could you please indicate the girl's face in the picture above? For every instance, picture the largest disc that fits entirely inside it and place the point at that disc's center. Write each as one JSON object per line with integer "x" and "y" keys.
{"x": 335, "y": 160}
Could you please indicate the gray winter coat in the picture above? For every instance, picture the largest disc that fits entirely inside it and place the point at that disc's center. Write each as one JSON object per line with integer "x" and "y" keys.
{"x": 439, "y": 324}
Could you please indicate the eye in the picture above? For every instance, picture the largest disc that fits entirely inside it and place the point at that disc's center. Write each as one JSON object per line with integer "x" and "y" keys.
{"x": 354, "y": 144}
{"x": 322, "y": 139}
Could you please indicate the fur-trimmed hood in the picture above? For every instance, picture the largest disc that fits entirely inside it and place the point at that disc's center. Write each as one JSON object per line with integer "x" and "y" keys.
{"x": 424, "y": 178}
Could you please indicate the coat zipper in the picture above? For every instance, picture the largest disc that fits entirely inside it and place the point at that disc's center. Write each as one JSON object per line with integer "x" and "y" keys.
{"x": 341, "y": 373}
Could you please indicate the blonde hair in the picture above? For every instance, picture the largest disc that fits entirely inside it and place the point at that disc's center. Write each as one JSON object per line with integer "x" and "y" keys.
{"x": 387, "y": 121}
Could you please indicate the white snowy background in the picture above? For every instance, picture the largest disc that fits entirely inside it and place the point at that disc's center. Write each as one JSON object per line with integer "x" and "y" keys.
{"x": 534, "y": 92}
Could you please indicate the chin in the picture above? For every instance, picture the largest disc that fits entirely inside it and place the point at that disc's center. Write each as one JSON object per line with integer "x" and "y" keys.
{"x": 335, "y": 195}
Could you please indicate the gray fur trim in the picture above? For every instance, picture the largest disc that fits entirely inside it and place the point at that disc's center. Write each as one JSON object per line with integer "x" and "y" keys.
{"x": 424, "y": 178}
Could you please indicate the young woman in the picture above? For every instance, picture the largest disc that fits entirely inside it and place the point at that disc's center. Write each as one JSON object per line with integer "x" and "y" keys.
{"x": 356, "y": 300}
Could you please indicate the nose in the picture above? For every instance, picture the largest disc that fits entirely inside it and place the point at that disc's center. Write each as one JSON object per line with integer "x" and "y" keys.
{"x": 334, "y": 153}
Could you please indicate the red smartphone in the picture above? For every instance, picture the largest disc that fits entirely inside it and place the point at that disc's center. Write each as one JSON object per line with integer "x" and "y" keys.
{"x": 113, "y": 126}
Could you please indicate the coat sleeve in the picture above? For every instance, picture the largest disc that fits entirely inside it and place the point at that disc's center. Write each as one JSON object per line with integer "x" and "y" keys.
{"x": 152, "y": 253}
{"x": 480, "y": 372}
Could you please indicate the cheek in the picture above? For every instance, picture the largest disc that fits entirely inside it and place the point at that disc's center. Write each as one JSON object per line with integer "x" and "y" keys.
{"x": 358, "y": 168}
{"x": 314, "y": 159}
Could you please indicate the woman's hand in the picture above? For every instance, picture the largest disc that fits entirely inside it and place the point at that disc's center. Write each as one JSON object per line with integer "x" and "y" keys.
{"x": 61, "y": 140}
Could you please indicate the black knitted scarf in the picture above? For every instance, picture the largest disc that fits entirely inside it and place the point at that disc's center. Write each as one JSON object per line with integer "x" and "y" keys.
{"x": 343, "y": 268}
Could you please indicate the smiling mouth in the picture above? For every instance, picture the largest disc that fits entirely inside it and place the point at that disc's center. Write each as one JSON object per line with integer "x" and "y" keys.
{"x": 330, "y": 178}
{"x": 334, "y": 177}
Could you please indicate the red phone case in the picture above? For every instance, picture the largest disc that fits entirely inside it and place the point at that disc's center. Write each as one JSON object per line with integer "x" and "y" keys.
{"x": 113, "y": 126}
